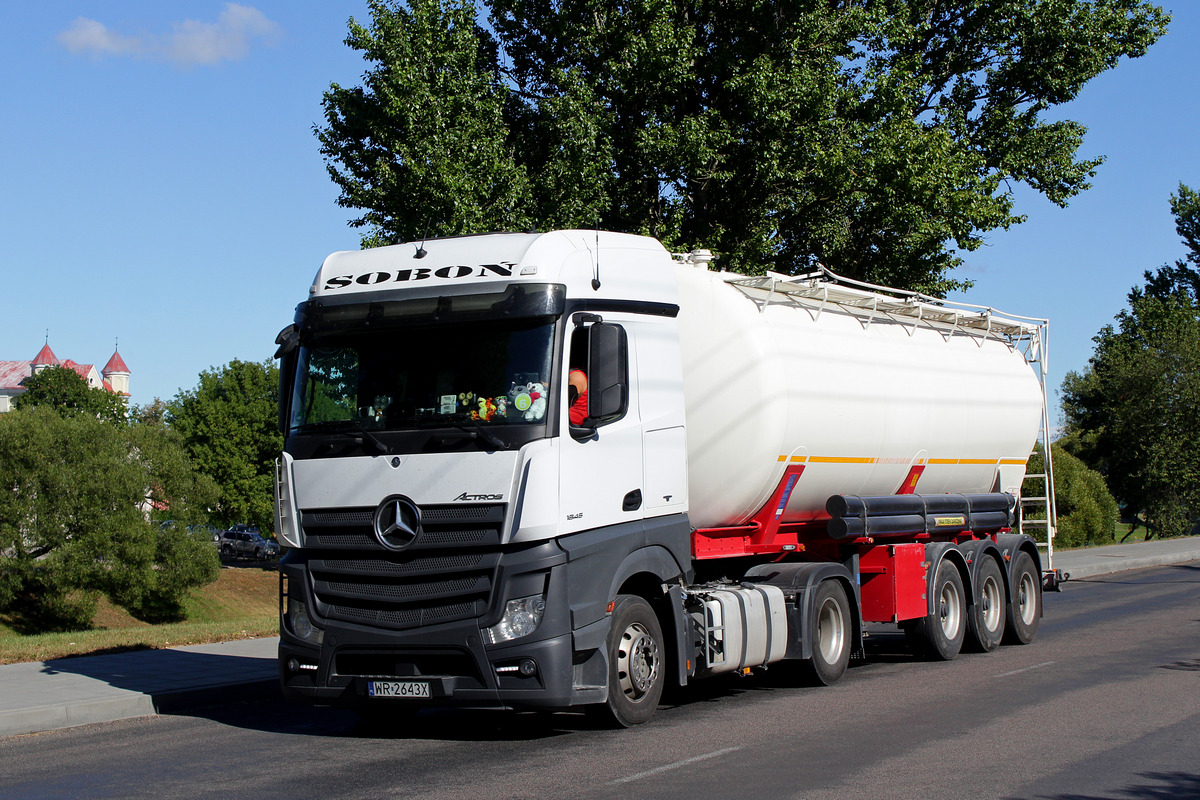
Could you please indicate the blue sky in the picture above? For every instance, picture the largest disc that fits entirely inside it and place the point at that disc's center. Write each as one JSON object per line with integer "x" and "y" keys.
{"x": 162, "y": 185}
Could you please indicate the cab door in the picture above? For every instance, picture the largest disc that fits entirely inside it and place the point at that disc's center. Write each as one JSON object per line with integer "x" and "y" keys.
{"x": 602, "y": 479}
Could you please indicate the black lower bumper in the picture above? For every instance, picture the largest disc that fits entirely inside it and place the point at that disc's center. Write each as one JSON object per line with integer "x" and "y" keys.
{"x": 452, "y": 663}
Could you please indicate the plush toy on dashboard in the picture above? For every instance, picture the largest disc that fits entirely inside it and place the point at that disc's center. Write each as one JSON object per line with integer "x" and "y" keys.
{"x": 502, "y": 406}
{"x": 518, "y": 397}
{"x": 537, "y": 406}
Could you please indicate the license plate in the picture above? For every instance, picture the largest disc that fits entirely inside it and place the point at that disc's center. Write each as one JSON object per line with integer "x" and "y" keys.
{"x": 397, "y": 689}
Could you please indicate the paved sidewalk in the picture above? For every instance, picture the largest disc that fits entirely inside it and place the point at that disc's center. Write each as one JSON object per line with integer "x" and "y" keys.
{"x": 46, "y": 695}
{"x": 1092, "y": 561}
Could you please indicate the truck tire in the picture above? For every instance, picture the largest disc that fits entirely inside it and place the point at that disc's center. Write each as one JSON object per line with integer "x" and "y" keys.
{"x": 636, "y": 671}
{"x": 939, "y": 636}
{"x": 985, "y": 623}
{"x": 831, "y": 629}
{"x": 1025, "y": 610}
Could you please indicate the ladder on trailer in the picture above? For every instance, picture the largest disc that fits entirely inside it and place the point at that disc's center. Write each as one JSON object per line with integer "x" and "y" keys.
{"x": 1038, "y": 513}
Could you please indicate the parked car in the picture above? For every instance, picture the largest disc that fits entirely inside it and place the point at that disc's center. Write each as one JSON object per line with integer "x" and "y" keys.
{"x": 207, "y": 531}
{"x": 245, "y": 541}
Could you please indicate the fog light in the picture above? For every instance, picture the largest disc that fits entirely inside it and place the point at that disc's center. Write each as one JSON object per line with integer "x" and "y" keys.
{"x": 293, "y": 664}
{"x": 528, "y": 667}
{"x": 521, "y": 618}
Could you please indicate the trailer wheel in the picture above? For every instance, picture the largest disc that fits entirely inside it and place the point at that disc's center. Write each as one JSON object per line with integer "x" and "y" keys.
{"x": 636, "y": 671}
{"x": 831, "y": 633}
{"x": 939, "y": 636}
{"x": 1025, "y": 610}
{"x": 985, "y": 624}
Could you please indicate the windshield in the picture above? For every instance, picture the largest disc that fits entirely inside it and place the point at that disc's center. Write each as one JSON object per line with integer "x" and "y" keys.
{"x": 473, "y": 373}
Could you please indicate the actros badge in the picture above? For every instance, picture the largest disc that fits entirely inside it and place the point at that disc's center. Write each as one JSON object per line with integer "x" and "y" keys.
{"x": 397, "y": 522}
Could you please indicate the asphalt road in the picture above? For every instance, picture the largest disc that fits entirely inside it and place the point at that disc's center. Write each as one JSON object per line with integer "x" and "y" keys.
{"x": 1104, "y": 704}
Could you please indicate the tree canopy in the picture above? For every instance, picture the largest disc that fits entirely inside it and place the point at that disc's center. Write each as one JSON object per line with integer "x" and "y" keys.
{"x": 879, "y": 137}
{"x": 1087, "y": 511}
{"x": 63, "y": 390}
{"x": 228, "y": 424}
{"x": 1134, "y": 413}
{"x": 75, "y": 496}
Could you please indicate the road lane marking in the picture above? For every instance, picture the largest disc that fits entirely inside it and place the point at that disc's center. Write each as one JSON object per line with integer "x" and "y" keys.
{"x": 1024, "y": 669}
{"x": 675, "y": 765}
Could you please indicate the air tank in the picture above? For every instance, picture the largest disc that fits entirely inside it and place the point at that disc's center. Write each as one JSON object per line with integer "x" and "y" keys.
{"x": 853, "y": 396}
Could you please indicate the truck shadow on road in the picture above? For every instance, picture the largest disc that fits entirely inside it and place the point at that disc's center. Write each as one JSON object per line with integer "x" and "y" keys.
{"x": 160, "y": 672}
{"x": 1159, "y": 786}
{"x": 269, "y": 713}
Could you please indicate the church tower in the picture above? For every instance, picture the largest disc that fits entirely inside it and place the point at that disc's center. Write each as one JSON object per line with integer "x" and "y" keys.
{"x": 117, "y": 374}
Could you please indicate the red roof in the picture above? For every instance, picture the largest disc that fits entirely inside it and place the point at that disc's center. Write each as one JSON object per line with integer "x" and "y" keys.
{"x": 45, "y": 356}
{"x": 115, "y": 364}
{"x": 12, "y": 373}
{"x": 82, "y": 370}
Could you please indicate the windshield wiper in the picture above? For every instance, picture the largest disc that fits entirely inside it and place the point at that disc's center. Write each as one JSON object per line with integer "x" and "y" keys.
{"x": 339, "y": 426}
{"x": 370, "y": 437}
{"x": 477, "y": 430}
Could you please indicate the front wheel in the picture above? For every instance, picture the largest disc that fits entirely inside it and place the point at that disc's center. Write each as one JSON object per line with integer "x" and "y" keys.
{"x": 831, "y": 633}
{"x": 636, "y": 668}
{"x": 1025, "y": 610}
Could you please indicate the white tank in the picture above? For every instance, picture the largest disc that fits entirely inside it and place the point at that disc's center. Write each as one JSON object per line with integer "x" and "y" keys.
{"x": 772, "y": 380}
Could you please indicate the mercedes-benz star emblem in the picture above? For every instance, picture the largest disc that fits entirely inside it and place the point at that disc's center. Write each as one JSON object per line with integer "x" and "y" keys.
{"x": 397, "y": 522}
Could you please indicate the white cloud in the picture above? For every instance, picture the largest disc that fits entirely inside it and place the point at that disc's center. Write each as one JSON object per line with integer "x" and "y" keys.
{"x": 88, "y": 36}
{"x": 190, "y": 43}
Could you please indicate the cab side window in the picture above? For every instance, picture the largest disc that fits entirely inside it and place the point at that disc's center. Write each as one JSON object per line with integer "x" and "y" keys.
{"x": 597, "y": 374}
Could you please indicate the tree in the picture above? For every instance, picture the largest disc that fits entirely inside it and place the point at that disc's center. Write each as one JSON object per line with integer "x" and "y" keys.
{"x": 74, "y": 493}
{"x": 878, "y": 137}
{"x": 1087, "y": 512}
{"x": 1136, "y": 408}
{"x": 228, "y": 426}
{"x": 63, "y": 390}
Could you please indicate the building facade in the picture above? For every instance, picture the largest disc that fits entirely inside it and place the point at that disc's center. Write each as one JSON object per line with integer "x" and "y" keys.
{"x": 113, "y": 377}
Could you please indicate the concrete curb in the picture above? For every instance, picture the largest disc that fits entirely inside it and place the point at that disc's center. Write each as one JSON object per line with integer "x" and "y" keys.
{"x": 1123, "y": 564}
{"x": 70, "y": 714}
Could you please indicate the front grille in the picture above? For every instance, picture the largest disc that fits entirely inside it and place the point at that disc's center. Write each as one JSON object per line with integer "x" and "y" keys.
{"x": 447, "y": 574}
{"x": 441, "y": 526}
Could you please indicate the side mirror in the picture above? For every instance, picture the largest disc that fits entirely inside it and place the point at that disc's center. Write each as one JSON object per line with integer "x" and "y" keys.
{"x": 288, "y": 340}
{"x": 608, "y": 372}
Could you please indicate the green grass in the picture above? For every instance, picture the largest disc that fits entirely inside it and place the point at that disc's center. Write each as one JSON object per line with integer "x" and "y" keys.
{"x": 242, "y": 603}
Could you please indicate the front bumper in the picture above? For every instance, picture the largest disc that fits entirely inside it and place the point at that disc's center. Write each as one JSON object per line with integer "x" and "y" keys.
{"x": 459, "y": 671}
{"x": 555, "y": 667}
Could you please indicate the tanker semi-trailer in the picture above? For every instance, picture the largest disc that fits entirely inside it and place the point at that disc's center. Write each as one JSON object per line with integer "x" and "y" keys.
{"x": 564, "y": 469}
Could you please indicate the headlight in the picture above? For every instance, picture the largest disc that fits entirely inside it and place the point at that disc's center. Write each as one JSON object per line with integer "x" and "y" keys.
{"x": 521, "y": 618}
{"x": 301, "y": 625}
